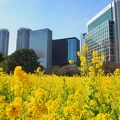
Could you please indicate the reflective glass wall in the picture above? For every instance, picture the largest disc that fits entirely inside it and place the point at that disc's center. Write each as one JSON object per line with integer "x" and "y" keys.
{"x": 4, "y": 41}
{"x": 23, "y": 38}
{"x": 73, "y": 47}
{"x": 41, "y": 43}
{"x": 64, "y": 50}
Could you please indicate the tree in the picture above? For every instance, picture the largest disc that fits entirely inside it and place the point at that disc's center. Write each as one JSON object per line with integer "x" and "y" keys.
{"x": 26, "y": 58}
{"x": 1, "y": 57}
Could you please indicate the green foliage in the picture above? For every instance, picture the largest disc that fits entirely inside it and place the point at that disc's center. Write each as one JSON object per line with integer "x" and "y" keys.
{"x": 26, "y": 58}
{"x": 1, "y": 57}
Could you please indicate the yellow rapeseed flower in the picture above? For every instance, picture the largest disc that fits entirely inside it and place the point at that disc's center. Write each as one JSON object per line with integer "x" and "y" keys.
{"x": 18, "y": 71}
{"x": 102, "y": 57}
{"x": 13, "y": 110}
{"x": 98, "y": 66}
{"x": 85, "y": 48}
{"x": 95, "y": 54}
{"x": 117, "y": 71}
{"x": 83, "y": 63}
{"x": 95, "y": 60}
{"x": 102, "y": 116}
{"x": 40, "y": 93}
{"x": 79, "y": 54}
{"x": 39, "y": 69}
{"x": 40, "y": 109}
{"x": 91, "y": 69}
{"x": 71, "y": 62}
{"x": 18, "y": 100}
{"x": 21, "y": 76}
{"x": 93, "y": 103}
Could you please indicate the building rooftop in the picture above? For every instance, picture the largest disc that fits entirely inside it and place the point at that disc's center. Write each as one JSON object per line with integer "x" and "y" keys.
{"x": 101, "y": 12}
{"x": 66, "y": 38}
{"x": 2, "y": 29}
{"x": 24, "y": 28}
{"x": 42, "y": 29}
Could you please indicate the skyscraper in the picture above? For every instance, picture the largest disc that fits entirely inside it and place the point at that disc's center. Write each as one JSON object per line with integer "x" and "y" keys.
{"x": 82, "y": 41}
{"x": 103, "y": 32}
{"x": 41, "y": 43}
{"x": 64, "y": 50}
{"x": 4, "y": 41}
{"x": 23, "y": 37}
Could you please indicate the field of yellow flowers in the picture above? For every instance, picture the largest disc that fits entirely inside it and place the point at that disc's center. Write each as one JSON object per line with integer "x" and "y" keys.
{"x": 91, "y": 96}
{"x": 42, "y": 97}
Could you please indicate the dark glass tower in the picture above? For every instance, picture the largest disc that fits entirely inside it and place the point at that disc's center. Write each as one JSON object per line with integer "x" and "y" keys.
{"x": 64, "y": 50}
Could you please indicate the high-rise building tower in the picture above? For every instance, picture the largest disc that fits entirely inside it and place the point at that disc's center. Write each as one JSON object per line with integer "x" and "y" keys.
{"x": 23, "y": 37}
{"x": 64, "y": 50}
{"x": 103, "y": 32}
{"x": 82, "y": 41}
{"x": 4, "y": 41}
{"x": 41, "y": 43}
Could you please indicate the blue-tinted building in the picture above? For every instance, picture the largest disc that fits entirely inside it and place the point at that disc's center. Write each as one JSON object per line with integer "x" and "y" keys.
{"x": 64, "y": 50}
{"x": 4, "y": 41}
{"x": 41, "y": 43}
{"x": 23, "y": 38}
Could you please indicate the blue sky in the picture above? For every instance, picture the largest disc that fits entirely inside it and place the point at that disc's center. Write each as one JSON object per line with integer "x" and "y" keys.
{"x": 66, "y": 18}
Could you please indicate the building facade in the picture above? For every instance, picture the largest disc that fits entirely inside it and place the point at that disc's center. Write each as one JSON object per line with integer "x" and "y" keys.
{"x": 41, "y": 43}
{"x": 64, "y": 50}
{"x": 103, "y": 33}
{"x": 4, "y": 41}
{"x": 23, "y": 38}
{"x": 82, "y": 41}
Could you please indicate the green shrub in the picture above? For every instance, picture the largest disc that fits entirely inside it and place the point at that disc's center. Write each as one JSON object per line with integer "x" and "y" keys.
{"x": 109, "y": 67}
{"x": 26, "y": 58}
{"x": 68, "y": 70}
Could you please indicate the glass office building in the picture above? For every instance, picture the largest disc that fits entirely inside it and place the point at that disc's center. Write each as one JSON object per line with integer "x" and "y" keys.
{"x": 64, "y": 50}
{"x": 23, "y": 38}
{"x": 41, "y": 43}
{"x": 4, "y": 41}
{"x": 82, "y": 41}
{"x": 103, "y": 33}
{"x": 73, "y": 48}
